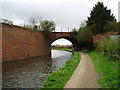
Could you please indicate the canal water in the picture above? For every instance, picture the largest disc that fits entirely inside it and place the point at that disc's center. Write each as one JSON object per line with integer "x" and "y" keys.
{"x": 31, "y": 73}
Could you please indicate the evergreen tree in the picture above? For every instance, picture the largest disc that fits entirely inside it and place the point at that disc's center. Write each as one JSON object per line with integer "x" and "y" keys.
{"x": 99, "y": 16}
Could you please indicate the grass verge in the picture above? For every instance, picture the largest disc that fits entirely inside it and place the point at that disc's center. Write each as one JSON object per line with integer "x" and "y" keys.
{"x": 66, "y": 49}
{"x": 108, "y": 68}
{"x": 59, "y": 78}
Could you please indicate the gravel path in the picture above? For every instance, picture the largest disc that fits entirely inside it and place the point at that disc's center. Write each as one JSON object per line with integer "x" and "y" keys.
{"x": 85, "y": 75}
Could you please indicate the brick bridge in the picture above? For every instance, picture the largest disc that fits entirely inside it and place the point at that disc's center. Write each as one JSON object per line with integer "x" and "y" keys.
{"x": 65, "y": 35}
{"x": 19, "y": 43}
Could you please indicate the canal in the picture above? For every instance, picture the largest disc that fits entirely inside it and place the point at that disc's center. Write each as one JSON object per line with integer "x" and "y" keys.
{"x": 31, "y": 73}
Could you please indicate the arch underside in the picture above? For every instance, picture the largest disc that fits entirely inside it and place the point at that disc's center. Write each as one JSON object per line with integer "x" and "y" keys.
{"x": 68, "y": 38}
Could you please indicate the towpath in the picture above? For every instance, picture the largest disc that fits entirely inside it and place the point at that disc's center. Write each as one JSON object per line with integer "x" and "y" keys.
{"x": 85, "y": 75}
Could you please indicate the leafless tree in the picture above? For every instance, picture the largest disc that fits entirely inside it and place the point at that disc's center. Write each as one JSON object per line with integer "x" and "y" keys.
{"x": 83, "y": 23}
{"x": 32, "y": 21}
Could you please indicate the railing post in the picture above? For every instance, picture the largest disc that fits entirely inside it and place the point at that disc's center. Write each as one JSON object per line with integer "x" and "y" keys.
{"x": 68, "y": 29}
{"x": 61, "y": 29}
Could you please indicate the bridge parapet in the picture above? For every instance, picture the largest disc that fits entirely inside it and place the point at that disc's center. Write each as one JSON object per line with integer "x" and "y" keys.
{"x": 59, "y": 34}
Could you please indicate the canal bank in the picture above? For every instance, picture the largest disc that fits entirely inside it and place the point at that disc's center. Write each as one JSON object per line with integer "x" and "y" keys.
{"x": 59, "y": 78}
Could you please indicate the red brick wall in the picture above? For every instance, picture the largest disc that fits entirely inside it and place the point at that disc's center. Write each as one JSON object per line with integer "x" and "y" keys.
{"x": 18, "y": 43}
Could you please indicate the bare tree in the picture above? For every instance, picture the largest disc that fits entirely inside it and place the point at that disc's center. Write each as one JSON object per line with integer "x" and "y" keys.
{"x": 39, "y": 19}
{"x": 32, "y": 21}
{"x": 83, "y": 23}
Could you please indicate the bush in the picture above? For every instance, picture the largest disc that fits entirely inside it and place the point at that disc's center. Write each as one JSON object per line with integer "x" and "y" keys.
{"x": 47, "y": 27}
{"x": 119, "y": 27}
{"x": 86, "y": 51}
{"x": 84, "y": 38}
{"x": 111, "y": 26}
{"x": 109, "y": 47}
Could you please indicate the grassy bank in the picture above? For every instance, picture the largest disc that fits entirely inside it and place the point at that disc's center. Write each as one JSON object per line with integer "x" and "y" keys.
{"x": 66, "y": 49}
{"x": 59, "y": 78}
{"x": 108, "y": 69}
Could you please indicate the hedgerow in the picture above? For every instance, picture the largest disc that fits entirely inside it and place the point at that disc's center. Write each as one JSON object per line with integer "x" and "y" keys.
{"x": 109, "y": 47}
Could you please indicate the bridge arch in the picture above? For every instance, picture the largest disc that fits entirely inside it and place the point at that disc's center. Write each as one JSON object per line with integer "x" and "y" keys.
{"x": 67, "y": 38}
{"x": 64, "y": 35}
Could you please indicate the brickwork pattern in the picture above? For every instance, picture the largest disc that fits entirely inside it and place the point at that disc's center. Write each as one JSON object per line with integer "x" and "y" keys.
{"x": 18, "y": 43}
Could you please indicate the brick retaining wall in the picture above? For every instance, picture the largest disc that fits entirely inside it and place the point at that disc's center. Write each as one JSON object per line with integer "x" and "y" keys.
{"x": 18, "y": 43}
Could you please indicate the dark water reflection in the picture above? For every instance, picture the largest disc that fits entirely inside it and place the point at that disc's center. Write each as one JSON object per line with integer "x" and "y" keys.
{"x": 31, "y": 73}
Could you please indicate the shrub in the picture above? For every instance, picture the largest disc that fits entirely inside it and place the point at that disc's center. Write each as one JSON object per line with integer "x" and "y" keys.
{"x": 47, "y": 27}
{"x": 84, "y": 38}
{"x": 119, "y": 27}
{"x": 111, "y": 26}
{"x": 109, "y": 47}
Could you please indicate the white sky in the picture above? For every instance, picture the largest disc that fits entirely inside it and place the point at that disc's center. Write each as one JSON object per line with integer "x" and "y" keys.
{"x": 65, "y": 13}
{"x": 61, "y": 41}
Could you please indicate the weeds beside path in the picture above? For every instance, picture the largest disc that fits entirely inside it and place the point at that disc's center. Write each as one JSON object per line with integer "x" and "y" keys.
{"x": 108, "y": 68}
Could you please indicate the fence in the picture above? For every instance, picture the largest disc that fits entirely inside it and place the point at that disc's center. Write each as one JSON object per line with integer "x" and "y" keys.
{"x": 63, "y": 29}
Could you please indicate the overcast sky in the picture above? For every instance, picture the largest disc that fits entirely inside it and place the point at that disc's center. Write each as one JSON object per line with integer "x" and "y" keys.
{"x": 65, "y": 13}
